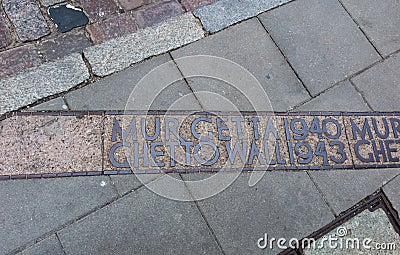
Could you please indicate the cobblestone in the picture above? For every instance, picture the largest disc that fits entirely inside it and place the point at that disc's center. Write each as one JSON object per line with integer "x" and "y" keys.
{"x": 18, "y": 59}
{"x": 157, "y": 13}
{"x": 27, "y": 19}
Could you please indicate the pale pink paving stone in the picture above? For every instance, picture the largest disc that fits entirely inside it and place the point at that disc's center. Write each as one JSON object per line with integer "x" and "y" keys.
{"x": 50, "y": 144}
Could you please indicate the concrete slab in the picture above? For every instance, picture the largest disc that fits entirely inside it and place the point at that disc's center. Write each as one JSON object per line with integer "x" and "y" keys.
{"x": 257, "y": 53}
{"x": 113, "y": 92}
{"x": 374, "y": 226}
{"x": 48, "y": 246}
{"x": 127, "y": 183}
{"x": 141, "y": 223}
{"x": 321, "y": 41}
{"x": 282, "y": 205}
{"x": 343, "y": 189}
{"x": 343, "y": 97}
{"x": 222, "y": 14}
{"x": 380, "y": 85}
{"x": 56, "y": 104}
{"x": 392, "y": 192}
{"x": 32, "y": 208}
{"x": 380, "y": 22}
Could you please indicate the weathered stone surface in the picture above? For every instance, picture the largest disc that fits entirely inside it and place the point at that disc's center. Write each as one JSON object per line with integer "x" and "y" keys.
{"x": 42, "y": 81}
{"x": 56, "y": 104}
{"x": 282, "y": 205}
{"x": 48, "y": 246}
{"x": 379, "y": 19}
{"x": 222, "y": 14}
{"x": 190, "y": 5}
{"x": 99, "y": 9}
{"x": 5, "y": 35}
{"x": 27, "y": 19}
{"x": 157, "y": 13}
{"x": 115, "y": 55}
{"x": 141, "y": 222}
{"x": 50, "y": 144}
{"x": 133, "y": 4}
{"x": 111, "y": 28}
{"x": 33, "y": 208}
{"x": 338, "y": 187}
{"x": 343, "y": 97}
{"x": 114, "y": 92}
{"x": 18, "y": 59}
{"x": 320, "y": 40}
{"x": 380, "y": 85}
{"x": 374, "y": 226}
{"x": 64, "y": 45}
{"x": 66, "y": 17}
{"x": 273, "y": 85}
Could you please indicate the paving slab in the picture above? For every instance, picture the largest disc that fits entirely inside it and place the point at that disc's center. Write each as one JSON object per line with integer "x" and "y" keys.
{"x": 343, "y": 189}
{"x": 32, "y": 208}
{"x": 374, "y": 226}
{"x": 56, "y": 104}
{"x": 282, "y": 205}
{"x": 380, "y": 84}
{"x": 320, "y": 40}
{"x": 343, "y": 97}
{"x": 120, "y": 53}
{"x": 48, "y": 246}
{"x": 392, "y": 192}
{"x": 113, "y": 93}
{"x": 36, "y": 83}
{"x": 379, "y": 20}
{"x": 141, "y": 223}
{"x": 222, "y": 14}
{"x": 128, "y": 183}
{"x": 255, "y": 52}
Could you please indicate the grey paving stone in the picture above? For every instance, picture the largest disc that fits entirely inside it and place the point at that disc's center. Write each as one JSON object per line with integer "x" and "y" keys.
{"x": 32, "y": 208}
{"x": 282, "y": 205}
{"x": 392, "y": 192}
{"x": 56, "y": 104}
{"x": 118, "y": 54}
{"x": 37, "y": 83}
{"x": 248, "y": 45}
{"x": 380, "y": 20}
{"x": 224, "y": 13}
{"x": 343, "y": 189}
{"x": 380, "y": 85}
{"x": 48, "y": 246}
{"x": 321, "y": 41}
{"x": 113, "y": 93}
{"x": 343, "y": 97}
{"x": 141, "y": 223}
{"x": 27, "y": 19}
{"x": 127, "y": 183}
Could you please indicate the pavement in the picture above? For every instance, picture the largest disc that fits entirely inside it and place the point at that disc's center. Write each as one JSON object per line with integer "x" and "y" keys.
{"x": 306, "y": 56}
